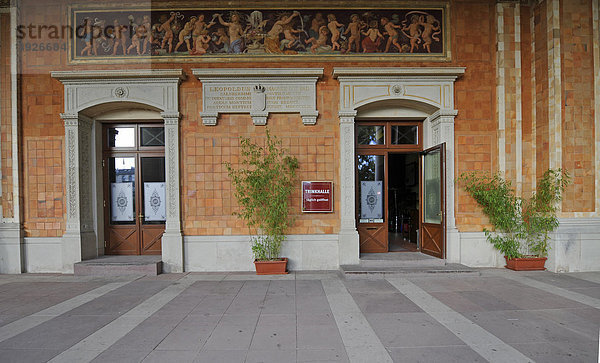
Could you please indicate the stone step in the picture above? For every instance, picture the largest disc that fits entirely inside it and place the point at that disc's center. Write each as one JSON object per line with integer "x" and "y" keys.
{"x": 120, "y": 266}
{"x": 400, "y": 259}
{"x": 381, "y": 272}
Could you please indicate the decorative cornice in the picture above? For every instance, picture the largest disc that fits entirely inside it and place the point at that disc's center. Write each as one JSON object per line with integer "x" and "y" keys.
{"x": 451, "y": 72}
{"x": 66, "y": 76}
{"x": 256, "y": 72}
{"x": 170, "y": 115}
{"x": 347, "y": 113}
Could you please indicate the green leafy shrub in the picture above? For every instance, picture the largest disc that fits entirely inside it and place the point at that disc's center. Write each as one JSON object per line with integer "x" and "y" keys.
{"x": 521, "y": 226}
{"x": 263, "y": 184}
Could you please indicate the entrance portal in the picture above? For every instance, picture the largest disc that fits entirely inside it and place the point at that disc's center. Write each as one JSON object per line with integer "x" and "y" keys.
{"x": 388, "y": 192}
{"x": 134, "y": 188}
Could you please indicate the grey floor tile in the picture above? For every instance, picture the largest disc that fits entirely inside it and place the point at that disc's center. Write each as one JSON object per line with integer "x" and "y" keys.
{"x": 246, "y": 304}
{"x": 221, "y": 356}
{"x": 255, "y": 288}
{"x": 369, "y": 286}
{"x": 316, "y": 319}
{"x": 312, "y": 304}
{"x": 271, "y": 356}
{"x": 551, "y": 353}
{"x": 227, "y": 287}
{"x": 583, "y": 321}
{"x": 456, "y": 301}
{"x": 385, "y": 303}
{"x": 213, "y": 304}
{"x": 589, "y": 291}
{"x": 27, "y": 355}
{"x": 179, "y": 356}
{"x": 309, "y": 287}
{"x": 190, "y": 334}
{"x": 411, "y": 330}
{"x": 486, "y": 301}
{"x": 449, "y": 354}
{"x": 516, "y": 327}
{"x": 322, "y": 355}
{"x": 275, "y": 332}
{"x": 284, "y": 287}
{"x": 562, "y": 280}
{"x": 319, "y": 337}
{"x": 279, "y": 304}
{"x": 148, "y": 334}
{"x": 234, "y": 332}
{"x": 121, "y": 356}
{"x": 59, "y": 333}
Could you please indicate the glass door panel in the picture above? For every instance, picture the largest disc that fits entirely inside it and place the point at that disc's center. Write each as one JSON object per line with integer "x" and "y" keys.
{"x": 433, "y": 224}
{"x": 432, "y": 210}
{"x": 153, "y": 190}
{"x": 121, "y": 174}
{"x": 371, "y": 175}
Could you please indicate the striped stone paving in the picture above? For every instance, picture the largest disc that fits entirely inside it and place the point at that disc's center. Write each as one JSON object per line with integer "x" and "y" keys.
{"x": 496, "y": 316}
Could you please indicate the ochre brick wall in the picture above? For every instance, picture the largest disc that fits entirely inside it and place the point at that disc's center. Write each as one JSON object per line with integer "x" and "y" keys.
{"x": 474, "y": 42}
{"x": 541, "y": 89}
{"x": 207, "y": 202}
{"x": 43, "y": 181}
{"x": 6, "y": 117}
{"x": 578, "y": 104}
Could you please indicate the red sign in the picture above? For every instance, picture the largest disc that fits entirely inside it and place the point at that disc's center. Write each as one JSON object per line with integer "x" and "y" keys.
{"x": 317, "y": 196}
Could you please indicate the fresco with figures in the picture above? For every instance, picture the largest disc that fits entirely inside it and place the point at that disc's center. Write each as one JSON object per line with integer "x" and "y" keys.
{"x": 195, "y": 33}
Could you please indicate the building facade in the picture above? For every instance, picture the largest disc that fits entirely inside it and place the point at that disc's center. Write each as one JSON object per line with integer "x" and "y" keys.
{"x": 116, "y": 121}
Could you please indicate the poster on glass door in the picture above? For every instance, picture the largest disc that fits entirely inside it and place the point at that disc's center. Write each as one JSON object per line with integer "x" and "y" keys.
{"x": 154, "y": 202}
{"x": 371, "y": 202}
{"x": 121, "y": 202}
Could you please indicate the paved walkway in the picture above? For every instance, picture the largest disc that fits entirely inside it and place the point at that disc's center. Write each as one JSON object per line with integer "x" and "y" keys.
{"x": 499, "y": 316}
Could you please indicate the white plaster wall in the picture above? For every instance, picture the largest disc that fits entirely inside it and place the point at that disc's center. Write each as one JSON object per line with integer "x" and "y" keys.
{"x": 233, "y": 253}
{"x": 476, "y": 251}
{"x": 575, "y": 246}
{"x": 43, "y": 254}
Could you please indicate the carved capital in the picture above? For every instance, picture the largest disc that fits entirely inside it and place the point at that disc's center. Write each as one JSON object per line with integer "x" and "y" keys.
{"x": 171, "y": 118}
{"x": 347, "y": 116}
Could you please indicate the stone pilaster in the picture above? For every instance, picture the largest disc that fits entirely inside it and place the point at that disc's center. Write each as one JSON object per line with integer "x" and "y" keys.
{"x": 349, "y": 241}
{"x": 172, "y": 241}
{"x": 79, "y": 240}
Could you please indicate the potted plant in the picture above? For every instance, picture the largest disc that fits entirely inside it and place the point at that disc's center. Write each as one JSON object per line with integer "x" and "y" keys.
{"x": 521, "y": 226}
{"x": 263, "y": 182}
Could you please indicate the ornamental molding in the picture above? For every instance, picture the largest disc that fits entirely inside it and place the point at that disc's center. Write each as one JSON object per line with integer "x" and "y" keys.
{"x": 431, "y": 87}
{"x": 110, "y": 75}
{"x": 157, "y": 88}
{"x": 259, "y": 92}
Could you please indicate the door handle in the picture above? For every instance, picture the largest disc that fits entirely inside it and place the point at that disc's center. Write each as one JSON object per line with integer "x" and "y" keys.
{"x": 140, "y": 216}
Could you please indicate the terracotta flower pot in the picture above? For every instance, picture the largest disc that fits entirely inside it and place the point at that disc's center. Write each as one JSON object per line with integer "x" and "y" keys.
{"x": 526, "y": 263}
{"x": 276, "y": 267}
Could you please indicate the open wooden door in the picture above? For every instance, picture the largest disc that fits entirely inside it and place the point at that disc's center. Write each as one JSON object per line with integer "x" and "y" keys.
{"x": 433, "y": 216}
{"x": 372, "y": 220}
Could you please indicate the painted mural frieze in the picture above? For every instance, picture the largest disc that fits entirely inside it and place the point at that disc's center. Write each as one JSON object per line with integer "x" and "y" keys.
{"x": 207, "y": 34}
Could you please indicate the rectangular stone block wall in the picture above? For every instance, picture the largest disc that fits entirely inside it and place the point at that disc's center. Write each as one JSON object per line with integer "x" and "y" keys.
{"x": 577, "y": 61}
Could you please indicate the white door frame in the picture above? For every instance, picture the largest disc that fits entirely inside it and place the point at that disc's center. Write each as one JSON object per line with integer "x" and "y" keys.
{"x": 428, "y": 89}
{"x": 155, "y": 89}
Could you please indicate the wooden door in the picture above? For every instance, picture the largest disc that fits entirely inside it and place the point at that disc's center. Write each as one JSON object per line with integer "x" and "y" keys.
{"x": 134, "y": 189}
{"x": 372, "y": 207}
{"x": 433, "y": 216}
